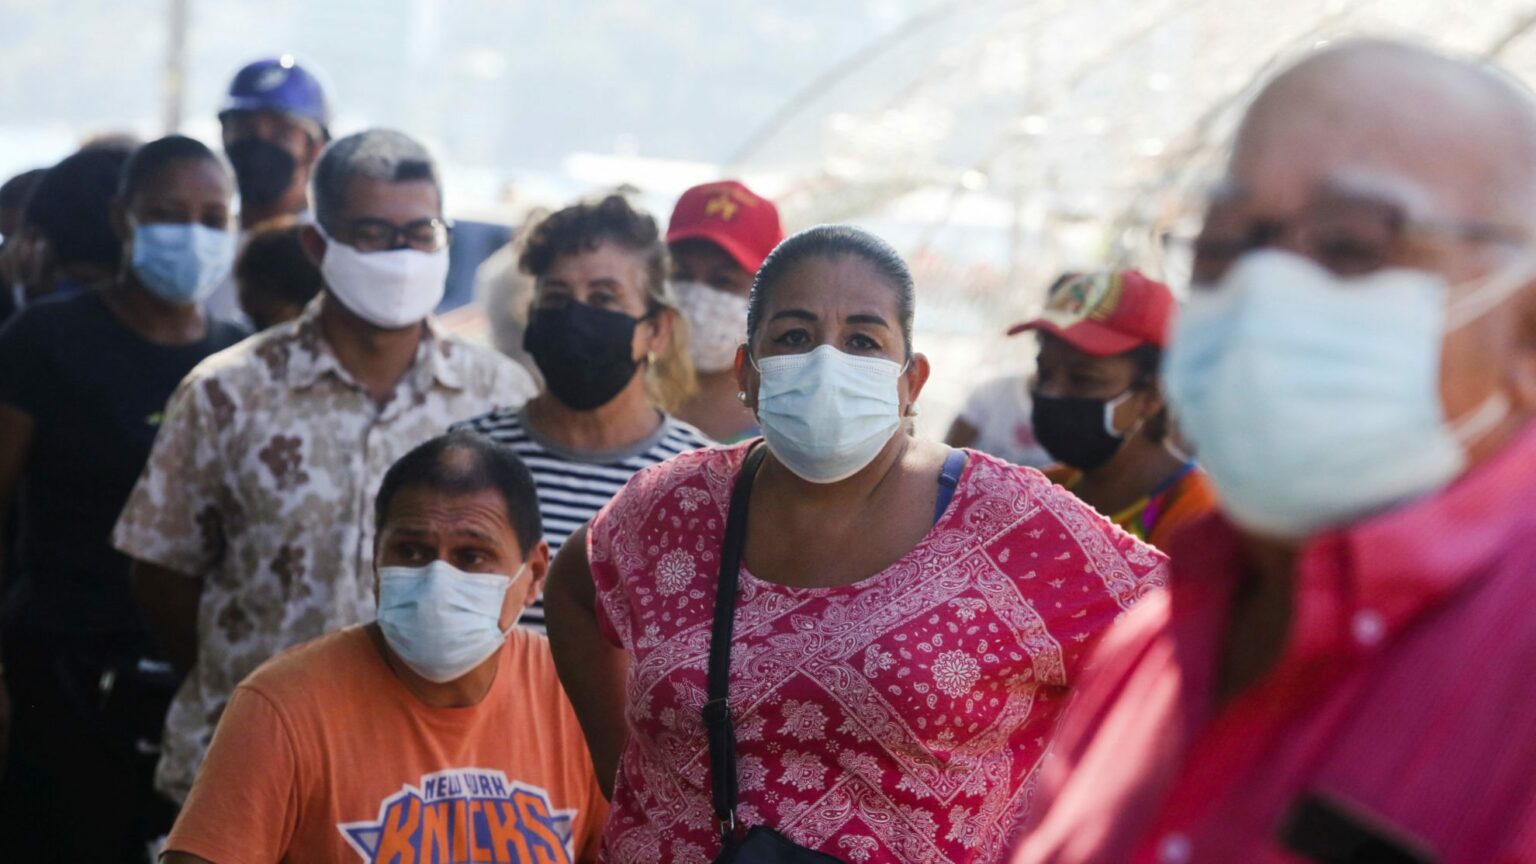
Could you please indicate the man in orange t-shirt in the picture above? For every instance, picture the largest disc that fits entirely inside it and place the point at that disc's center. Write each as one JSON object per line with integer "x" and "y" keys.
{"x": 1098, "y": 403}
{"x": 438, "y": 733}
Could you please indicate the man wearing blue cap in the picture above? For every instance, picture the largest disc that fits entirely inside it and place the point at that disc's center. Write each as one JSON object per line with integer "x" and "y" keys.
{"x": 276, "y": 120}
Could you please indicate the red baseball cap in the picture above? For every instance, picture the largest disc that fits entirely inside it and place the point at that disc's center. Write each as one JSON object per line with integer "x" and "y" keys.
{"x": 732, "y": 217}
{"x": 1107, "y": 312}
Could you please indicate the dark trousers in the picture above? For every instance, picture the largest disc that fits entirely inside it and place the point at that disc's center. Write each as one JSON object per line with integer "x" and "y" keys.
{"x": 77, "y": 784}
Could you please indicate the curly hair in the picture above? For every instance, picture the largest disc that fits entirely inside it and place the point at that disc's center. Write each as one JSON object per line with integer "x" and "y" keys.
{"x": 586, "y": 225}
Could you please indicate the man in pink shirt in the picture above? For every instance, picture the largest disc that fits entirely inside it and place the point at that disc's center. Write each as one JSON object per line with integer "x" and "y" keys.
{"x": 1342, "y": 669}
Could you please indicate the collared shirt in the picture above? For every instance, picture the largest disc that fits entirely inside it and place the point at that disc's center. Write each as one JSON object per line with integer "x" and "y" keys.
{"x": 1401, "y": 713}
{"x": 261, "y": 483}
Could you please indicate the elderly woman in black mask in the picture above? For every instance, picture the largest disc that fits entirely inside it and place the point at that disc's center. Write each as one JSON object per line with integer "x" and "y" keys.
{"x": 613, "y": 350}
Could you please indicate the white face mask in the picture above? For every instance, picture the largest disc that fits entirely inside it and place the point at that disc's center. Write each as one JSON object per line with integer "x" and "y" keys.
{"x": 717, "y": 324}
{"x": 440, "y": 620}
{"x": 1314, "y": 400}
{"x": 389, "y": 290}
{"x": 826, "y": 414}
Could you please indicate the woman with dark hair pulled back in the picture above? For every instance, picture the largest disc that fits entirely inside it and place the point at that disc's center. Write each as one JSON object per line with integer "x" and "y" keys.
{"x": 908, "y": 619}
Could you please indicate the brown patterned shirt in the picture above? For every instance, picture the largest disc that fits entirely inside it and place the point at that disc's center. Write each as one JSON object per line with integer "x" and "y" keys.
{"x": 261, "y": 483}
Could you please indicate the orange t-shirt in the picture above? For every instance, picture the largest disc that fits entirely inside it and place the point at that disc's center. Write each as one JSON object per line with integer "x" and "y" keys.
{"x": 323, "y": 755}
{"x": 1157, "y": 517}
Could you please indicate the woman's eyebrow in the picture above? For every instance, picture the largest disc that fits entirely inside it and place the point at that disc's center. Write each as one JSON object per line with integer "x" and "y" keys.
{"x": 797, "y": 314}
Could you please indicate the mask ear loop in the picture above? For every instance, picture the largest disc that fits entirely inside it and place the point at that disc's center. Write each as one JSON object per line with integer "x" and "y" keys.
{"x": 1464, "y": 311}
{"x": 515, "y": 576}
{"x": 1111, "y": 407}
{"x": 1500, "y": 287}
{"x": 1482, "y": 420}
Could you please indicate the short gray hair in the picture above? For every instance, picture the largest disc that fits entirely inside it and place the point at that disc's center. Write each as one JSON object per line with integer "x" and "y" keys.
{"x": 380, "y": 154}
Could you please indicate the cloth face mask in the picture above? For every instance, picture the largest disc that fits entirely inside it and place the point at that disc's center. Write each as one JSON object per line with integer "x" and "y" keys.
{"x": 442, "y": 621}
{"x": 827, "y": 414}
{"x": 586, "y": 355}
{"x": 263, "y": 170}
{"x": 183, "y": 262}
{"x": 389, "y": 290}
{"x": 718, "y": 322}
{"x": 1312, "y": 399}
{"x": 1078, "y": 432}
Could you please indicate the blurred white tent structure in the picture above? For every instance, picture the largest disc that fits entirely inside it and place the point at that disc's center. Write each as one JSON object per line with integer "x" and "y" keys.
{"x": 1001, "y": 142}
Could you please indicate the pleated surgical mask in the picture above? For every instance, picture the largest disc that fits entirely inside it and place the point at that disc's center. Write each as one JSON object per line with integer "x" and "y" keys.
{"x": 1313, "y": 400}
{"x": 826, "y": 414}
{"x": 440, "y": 620}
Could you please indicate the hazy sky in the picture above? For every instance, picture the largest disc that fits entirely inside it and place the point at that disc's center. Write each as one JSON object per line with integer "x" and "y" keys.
{"x": 516, "y": 82}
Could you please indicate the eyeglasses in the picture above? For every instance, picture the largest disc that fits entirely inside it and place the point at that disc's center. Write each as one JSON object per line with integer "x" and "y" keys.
{"x": 377, "y": 235}
{"x": 1350, "y": 236}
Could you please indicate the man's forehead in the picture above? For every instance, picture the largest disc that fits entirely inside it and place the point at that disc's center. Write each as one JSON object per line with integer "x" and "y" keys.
{"x": 418, "y": 510}
{"x": 1401, "y": 121}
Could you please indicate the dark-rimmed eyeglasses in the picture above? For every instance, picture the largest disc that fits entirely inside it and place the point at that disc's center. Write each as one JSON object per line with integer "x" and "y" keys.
{"x": 1350, "y": 236}
{"x": 378, "y": 235}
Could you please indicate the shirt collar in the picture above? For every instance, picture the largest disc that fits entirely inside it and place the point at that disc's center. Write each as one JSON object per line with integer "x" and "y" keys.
{"x": 1365, "y": 582}
{"x": 311, "y": 358}
{"x": 1409, "y": 557}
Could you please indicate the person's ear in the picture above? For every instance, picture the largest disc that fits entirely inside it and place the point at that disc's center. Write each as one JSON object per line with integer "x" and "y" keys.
{"x": 1521, "y": 377}
{"x": 313, "y": 243}
{"x": 1152, "y": 400}
{"x": 312, "y": 154}
{"x": 663, "y": 323}
{"x": 912, "y": 383}
{"x": 536, "y": 566}
{"x": 746, "y": 379}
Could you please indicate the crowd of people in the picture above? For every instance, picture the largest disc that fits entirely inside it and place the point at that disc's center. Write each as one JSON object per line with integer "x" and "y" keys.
{"x": 292, "y": 573}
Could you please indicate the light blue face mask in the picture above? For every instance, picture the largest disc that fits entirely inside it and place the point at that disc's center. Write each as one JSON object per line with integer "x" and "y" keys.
{"x": 181, "y": 262}
{"x": 442, "y": 621}
{"x": 826, "y": 414}
{"x": 1313, "y": 400}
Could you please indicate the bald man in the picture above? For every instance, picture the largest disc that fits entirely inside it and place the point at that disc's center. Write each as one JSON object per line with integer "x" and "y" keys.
{"x": 1344, "y": 667}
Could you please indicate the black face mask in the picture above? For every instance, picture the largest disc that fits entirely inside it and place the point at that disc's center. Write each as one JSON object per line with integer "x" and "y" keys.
{"x": 1076, "y": 432}
{"x": 263, "y": 170}
{"x": 585, "y": 354}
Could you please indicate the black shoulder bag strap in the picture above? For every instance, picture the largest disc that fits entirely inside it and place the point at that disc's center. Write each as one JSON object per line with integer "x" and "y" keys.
{"x": 717, "y": 711}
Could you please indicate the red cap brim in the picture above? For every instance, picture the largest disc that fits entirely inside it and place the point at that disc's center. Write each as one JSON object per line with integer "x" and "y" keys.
{"x": 748, "y": 260}
{"x": 1089, "y": 337}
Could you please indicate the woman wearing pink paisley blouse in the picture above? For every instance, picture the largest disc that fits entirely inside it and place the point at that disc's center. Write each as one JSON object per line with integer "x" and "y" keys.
{"x": 901, "y": 650}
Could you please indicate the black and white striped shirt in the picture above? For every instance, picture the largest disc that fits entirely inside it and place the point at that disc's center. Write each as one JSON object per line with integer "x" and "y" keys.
{"x": 573, "y": 486}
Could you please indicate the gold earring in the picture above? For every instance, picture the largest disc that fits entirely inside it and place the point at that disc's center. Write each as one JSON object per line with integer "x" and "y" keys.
{"x": 650, "y": 358}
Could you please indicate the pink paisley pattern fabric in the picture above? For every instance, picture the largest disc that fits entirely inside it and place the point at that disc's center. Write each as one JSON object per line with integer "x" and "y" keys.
{"x": 900, "y": 719}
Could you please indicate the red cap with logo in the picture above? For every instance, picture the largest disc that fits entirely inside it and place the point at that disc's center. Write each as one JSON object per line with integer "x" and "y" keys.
{"x": 732, "y": 217}
{"x": 1107, "y": 312}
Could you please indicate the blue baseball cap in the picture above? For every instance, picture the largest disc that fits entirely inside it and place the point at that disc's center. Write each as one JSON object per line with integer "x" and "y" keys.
{"x": 279, "y": 84}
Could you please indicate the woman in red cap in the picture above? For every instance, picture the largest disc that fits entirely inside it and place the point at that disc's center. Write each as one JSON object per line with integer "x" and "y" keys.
{"x": 1098, "y": 403}
{"x": 718, "y": 237}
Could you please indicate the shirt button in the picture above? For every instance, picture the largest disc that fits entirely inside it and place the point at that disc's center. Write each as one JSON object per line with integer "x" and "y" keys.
{"x": 1175, "y": 849}
{"x": 1367, "y": 627}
